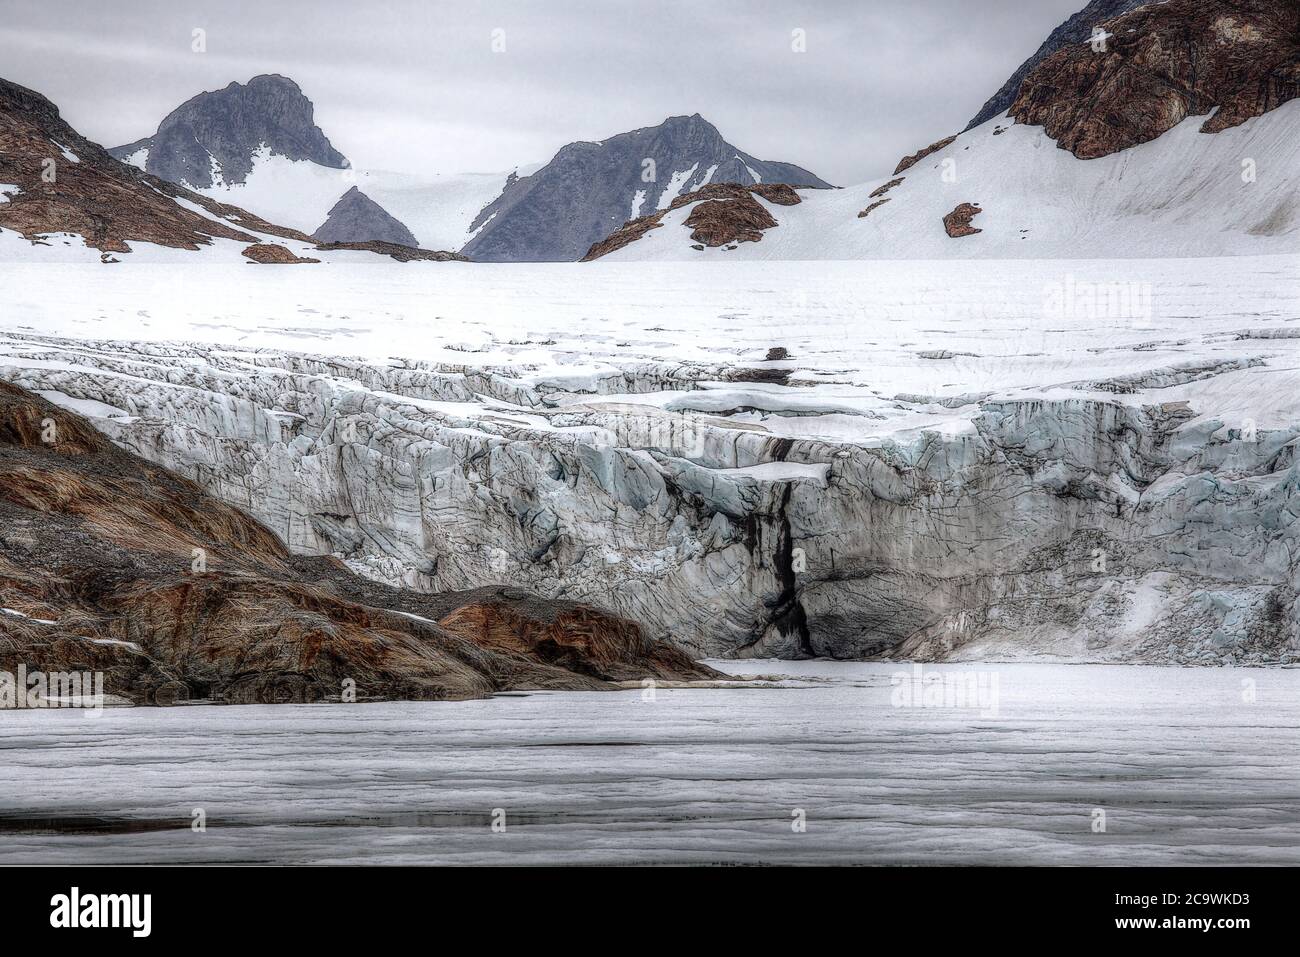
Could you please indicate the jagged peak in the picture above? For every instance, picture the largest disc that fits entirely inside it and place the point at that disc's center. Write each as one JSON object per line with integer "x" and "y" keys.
{"x": 273, "y": 79}
{"x": 230, "y": 125}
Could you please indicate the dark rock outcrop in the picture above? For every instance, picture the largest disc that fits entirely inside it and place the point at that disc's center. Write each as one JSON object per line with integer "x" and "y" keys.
{"x": 877, "y": 193}
{"x": 727, "y": 213}
{"x": 907, "y": 162}
{"x": 272, "y": 253}
{"x": 223, "y": 129}
{"x": 720, "y": 222}
{"x": 404, "y": 254}
{"x": 109, "y": 564}
{"x": 358, "y": 218}
{"x": 874, "y": 206}
{"x": 958, "y": 222}
{"x": 1075, "y": 30}
{"x": 1163, "y": 63}
{"x": 882, "y": 190}
{"x": 589, "y": 189}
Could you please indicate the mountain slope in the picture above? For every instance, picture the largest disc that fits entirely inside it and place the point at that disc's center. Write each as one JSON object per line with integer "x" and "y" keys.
{"x": 1076, "y": 30}
{"x": 55, "y": 181}
{"x": 1178, "y": 140}
{"x": 254, "y": 145}
{"x": 63, "y": 197}
{"x": 590, "y": 189}
{"x": 1234, "y": 59}
{"x": 358, "y": 218}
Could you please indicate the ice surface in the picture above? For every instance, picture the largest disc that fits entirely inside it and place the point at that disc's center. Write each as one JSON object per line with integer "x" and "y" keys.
{"x": 1189, "y": 766}
{"x": 87, "y": 407}
{"x": 637, "y": 202}
{"x": 860, "y": 335}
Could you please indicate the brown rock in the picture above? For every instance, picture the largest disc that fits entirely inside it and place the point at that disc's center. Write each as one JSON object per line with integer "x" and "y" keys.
{"x": 881, "y": 191}
{"x": 717, "y": 222}
{"x": 907, "y": 162}
{"x": 778, "y": 193}
{"x": 876, "y": 205}
{"x": 403, "y": 254}
{"x": 734, "y": 216}
{"x": 272, "y": 253}
{"x": 573, "y": 637}
{"x": 958, "y": 222}
{"x": 1163, "y": 63}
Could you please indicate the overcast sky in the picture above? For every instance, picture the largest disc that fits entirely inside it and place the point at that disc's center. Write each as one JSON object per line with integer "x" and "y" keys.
{"x": 415, "y": 85}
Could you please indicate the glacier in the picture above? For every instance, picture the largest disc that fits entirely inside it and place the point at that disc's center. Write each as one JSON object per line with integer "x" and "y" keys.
{"x": 1088, "y": 460}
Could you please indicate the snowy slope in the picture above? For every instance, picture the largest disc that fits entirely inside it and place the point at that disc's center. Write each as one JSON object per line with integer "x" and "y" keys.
{"x": 438, "y": 209}
{"x": 1182, "y": 194}
{"x": 294, "y": 193}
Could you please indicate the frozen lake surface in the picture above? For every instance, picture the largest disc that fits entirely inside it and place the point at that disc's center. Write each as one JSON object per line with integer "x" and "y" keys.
{"x": 1190, "y": 766}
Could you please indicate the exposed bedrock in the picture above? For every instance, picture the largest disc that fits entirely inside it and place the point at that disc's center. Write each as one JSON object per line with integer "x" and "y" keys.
{"x": 1089, "y": 526}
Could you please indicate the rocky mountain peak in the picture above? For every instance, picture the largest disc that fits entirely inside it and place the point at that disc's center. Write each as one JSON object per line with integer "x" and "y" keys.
{"x": 358, "y": 218}
{"x": 213, "y": 137}
{"x": 1077, "y": 29}
{"x": 1229, "y": 60}
{"x": 590, "y": 189}
{"x": 19, "y": 99}
{"x": 690, "y": 132}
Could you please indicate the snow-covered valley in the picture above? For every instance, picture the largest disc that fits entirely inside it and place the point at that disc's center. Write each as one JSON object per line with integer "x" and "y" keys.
{"x": 1079, "y": 460}
{"x": 299, "y": 193}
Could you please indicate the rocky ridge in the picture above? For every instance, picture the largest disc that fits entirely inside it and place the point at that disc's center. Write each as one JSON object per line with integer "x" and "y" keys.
{"x": 1228, "y": 59}
{"x": 1175, "y": 125}
{"x": 56, "y": 185}
{"x": 1076, "y": 30}
{"x": 723, "y": 214}
{"x": 589, "y": 190}
{"x": 60, "y": 182}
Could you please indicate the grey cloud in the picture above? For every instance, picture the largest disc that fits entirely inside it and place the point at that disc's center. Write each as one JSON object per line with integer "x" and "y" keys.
{"x": 415, "y": 86}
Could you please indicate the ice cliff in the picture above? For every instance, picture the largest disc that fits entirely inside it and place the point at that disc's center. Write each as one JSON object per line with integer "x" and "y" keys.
{"x": 1108, "y": 519}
